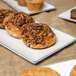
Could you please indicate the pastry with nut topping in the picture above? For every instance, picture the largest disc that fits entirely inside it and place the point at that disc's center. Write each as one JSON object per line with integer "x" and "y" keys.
{"x": 3, "y": 14}
{"x": 15, "y": 21}
{"x": 39, "y": 71}
{"x": 38, "y": 35}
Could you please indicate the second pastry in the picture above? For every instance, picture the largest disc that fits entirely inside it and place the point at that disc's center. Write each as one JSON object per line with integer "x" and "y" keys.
{"x": 15, "y": 21}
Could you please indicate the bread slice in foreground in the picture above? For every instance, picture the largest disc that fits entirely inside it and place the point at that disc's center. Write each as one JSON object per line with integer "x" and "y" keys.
{"x": 39, "y": 71}
{"x": 73, "y": 72}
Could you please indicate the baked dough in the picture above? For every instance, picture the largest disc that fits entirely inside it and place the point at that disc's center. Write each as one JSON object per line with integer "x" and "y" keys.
{"x": 22, "y": 2}
{"x": 35, "y": 5}
{"x": 40, "y": 71}
{"x": 73, "y": 14}
{"x": 38, "y": 35}
{"x": 3, "y": 14}
{"x": 15, "y": 21}
{"x": 73, "y": 72}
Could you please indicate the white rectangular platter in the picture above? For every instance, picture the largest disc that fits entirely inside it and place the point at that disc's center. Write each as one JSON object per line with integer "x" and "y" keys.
{"x": 63, "y": 68}
{"x": 35, "y": 55}
{"x": 66, "y": 15}
{"x": 15, "y": 5}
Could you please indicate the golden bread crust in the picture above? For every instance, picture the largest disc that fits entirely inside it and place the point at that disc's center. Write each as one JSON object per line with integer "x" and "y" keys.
{"x": 39, "y": 71}
{"x": 35, "y": 1}
{"x": 73, "y": 72}
{"x": 22, "y": 2}
{"x": 37, "y": 35}
{"x": 35, "y": 5}
{"x": 13, "y": 31}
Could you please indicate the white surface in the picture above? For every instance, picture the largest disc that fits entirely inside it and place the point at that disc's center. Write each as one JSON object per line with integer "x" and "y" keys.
{"x": 63, "y": 68}
{"x": 15, "y": 5}
{"x": 66, "y": 15}
{"x": 34, "y": 55}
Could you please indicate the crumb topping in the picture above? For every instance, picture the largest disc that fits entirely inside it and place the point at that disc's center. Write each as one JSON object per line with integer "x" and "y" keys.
{"x": 19, "y": 18}
{"x": 36, "y": 33}
{"x": 4, "y": 13}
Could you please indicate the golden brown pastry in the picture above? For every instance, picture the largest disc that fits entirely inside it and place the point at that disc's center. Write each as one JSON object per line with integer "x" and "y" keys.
{"x": 38, "y": 35}
{"x": 73, "y": 72}
{"x": 40, "y": 71}
{"x": 3, "y": 14}
{"x": 35, "y": 5}
{"x": 15, "y": 21}
{"x": 22, "y": 2}
{"x": 73, "y": 14}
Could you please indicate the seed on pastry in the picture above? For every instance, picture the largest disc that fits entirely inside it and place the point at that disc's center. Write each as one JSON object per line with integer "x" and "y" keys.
{"x": 39, "y": 71}
{"x": 38, "y": 35}
{"x": 3, "y": 14}
{"x": 15, "y": 21}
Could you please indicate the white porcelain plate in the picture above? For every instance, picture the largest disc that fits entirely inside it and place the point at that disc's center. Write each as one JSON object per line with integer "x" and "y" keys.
{"x": 15, "y": 5}
{"x": 63, "y": 68}
{"x": 66, "y": 15}
{"x": 35, "y": 55}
